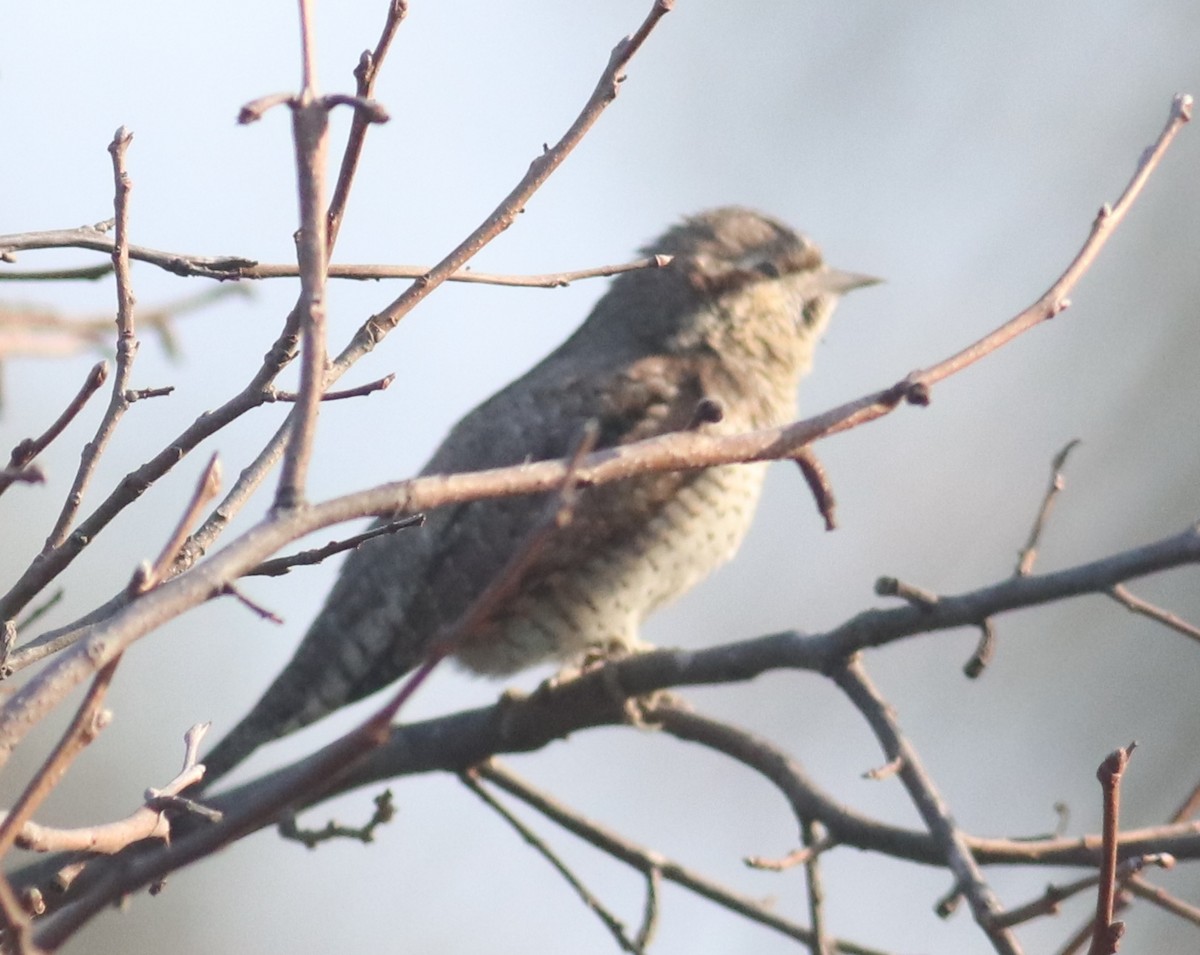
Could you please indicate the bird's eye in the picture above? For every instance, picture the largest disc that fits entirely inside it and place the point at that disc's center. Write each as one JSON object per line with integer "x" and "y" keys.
{"x": 768, "y": 269}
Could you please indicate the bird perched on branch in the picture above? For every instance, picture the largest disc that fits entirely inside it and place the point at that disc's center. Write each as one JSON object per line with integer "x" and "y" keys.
{"x": 724, "y": 331}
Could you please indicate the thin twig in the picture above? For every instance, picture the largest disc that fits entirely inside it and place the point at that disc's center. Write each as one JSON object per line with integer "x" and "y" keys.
{"x": 365, "y": 75}
{"x": 812, "y": 835}
{"x": 1156, "y": 895}
{"x": 150, "y": 576}
{"x": 379, "y": 384}
{"x": 511, "y": 206}
{"x": 647, "y": 860}
{"x": 1106, "y": 933}
{"x": 30, "y": 448}
{"x": 232, "y": 590}
{"x": 985, "y": 649}
{"x": 917, "y": 596}
{"x": 310, "y": 131}
{"x": 84, "y": 273}
{"x": 385, "y": 812}
{"x": 127, "y": 345}
{"x": 17, "y": 935}
{"x": 283, "y": 565}
{"x": 614, "y": 925}
{"x": 1057, "y": 482}
{"x": 854, "y": 682}
{"x": 36, "y": 613}
{"x": 917, "y": 387}
{"x": 89, "y": 720}
{"x": 794, "y": 858}
{"x": 235, "y": 268}
{"x": 1050, "y": 901}
{"x": 818, "y": 484}
{"x": 1121, "y": 595}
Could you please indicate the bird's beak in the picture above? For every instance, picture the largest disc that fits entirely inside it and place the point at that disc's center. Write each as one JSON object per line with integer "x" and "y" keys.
{"x": 840, "y": 282}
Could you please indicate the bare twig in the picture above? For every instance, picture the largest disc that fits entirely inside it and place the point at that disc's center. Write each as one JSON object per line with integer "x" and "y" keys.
{"x": 30, "y": 448}
{"x": 1164, "y": 900}
{"x": 645, "y": 860}
{"x": 17, "y": 934}
{"x": 917, "y": 387}
{"x": 917, "y": 596}
{"x": 886, "y": 771}
{"x": 89, "y": 720}
{"x": 614, "y": 925}
{"x": 1050, "y": 901}
{"x": 818, "y": 483}
{"x": 85, "y": 273}
{"x": 1122, "y": 596}
{"x": 379, "y": 384}
{"x": 310, "y": 131}
{"x": 234, "y": 268}
{"x": 36, "y": 613}
{"x": 853, "y": 681}
{"x": 283, "y": 565}
{"x": 385, "y": 811}
{"x": 1029, "y": 552}
{"x": 506, "y": 212}
{"x": 984, "y": 650}
{"x": 150, "y": 576}
{"x": 1106, "y": 933}
{"x": 127, "y": 344}
{"x": 145, "y": 822}
{"x": 813, "y": 835}
{"x": 365, "y": 75}
{"x": 232, "y": 590}
{"x": 794, "y": 858}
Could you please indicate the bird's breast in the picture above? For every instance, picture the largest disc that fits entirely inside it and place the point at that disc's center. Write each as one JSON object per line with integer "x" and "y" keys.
{"x": 602, "y": 598}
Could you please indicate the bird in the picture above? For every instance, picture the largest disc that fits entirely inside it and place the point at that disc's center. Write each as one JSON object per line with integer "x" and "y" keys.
{"x": 725, "y": 330}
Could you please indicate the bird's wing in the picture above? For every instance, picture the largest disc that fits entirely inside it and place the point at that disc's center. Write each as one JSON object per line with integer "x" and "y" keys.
{"x": 395, "y": 593}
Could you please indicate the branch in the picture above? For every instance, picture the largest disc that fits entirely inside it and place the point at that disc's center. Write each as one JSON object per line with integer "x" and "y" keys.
{"x": 853, "y": 680}
{"x": 30, "y": 448}
{"x": 233, "y": 268}
{"x": 1057, "y": 482}
{"x": 127, "y": 345}
{"x": 514, "y": 203}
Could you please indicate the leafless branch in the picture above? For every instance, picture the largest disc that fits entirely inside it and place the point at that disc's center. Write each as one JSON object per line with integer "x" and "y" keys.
{"x": 1106, "y": 933}
{"x": 30, "y": 448}
{"x": 817, "y": 480}
{"x": 209, "y": 485}
{"x": 614, "y": 925}
{"x": 379, "y": 384}
{"x": 646, "y": 860}
{"x": 310, "y": 131}
{"x": 1135, "y": 604}
{"x": 84, "y": 273}
{"x": 1057, "y": 482}
{"x": 127, "y": 345}
{"x": 89, "y": 720}
{"x": 365, "y": 75}
{"x": 283, "y": 565}
{"x": 853, "y": 681}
